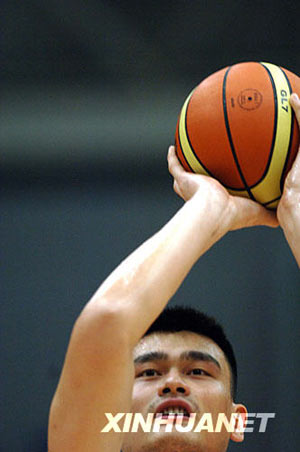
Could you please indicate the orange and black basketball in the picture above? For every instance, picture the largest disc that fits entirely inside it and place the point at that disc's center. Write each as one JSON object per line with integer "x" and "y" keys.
{"x": 237, "y": 126}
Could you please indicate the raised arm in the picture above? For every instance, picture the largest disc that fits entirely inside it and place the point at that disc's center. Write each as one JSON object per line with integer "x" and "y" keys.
{"x": 288, "y": 211}
{"x": 143, "y": 284}
{"x": 98, "y": 372}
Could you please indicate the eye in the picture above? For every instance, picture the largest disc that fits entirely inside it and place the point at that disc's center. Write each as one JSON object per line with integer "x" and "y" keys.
{"x": 198, "y": 371}
{"x": 148, "y": 373}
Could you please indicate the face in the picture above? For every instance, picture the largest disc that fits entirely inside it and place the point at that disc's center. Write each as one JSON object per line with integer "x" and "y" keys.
{"x": 182, "y": 371}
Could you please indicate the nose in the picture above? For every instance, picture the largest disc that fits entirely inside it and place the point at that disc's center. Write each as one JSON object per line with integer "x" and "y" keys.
{"x": 173, "y": 385}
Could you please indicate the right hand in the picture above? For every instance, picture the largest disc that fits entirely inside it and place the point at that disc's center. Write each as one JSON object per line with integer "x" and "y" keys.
{"x": 235, "y": 211}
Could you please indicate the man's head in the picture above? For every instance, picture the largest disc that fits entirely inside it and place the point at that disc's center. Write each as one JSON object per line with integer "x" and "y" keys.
{"x": 184, "y": 364}
{"x": 173, "y": 320}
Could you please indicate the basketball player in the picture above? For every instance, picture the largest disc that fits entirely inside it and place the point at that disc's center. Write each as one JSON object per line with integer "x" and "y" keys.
{"x": 184, "y": 371}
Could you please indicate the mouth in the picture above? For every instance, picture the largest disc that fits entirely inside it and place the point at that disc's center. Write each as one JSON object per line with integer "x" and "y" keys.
{"x": 174, "y": 412}
{"x": 173, "y": 408}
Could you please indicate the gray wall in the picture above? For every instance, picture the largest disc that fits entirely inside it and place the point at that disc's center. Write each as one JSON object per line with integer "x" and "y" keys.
{"x": 90, "y": 95}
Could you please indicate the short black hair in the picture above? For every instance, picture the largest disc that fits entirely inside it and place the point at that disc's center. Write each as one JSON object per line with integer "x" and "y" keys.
{"x": 181, "y": 318}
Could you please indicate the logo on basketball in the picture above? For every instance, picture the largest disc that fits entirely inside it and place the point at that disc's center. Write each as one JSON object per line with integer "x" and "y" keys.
{"x": 250, "y": 99}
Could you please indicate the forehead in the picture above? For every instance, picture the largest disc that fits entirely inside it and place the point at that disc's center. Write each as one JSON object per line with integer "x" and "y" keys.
{"x": 173, "y": 344}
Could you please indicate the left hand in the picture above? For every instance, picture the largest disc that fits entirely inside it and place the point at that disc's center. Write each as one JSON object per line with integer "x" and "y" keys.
{"x": 288, "y": 210}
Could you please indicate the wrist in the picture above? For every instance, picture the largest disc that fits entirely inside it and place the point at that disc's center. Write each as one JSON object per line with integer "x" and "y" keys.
{"x": 211, "y": 213}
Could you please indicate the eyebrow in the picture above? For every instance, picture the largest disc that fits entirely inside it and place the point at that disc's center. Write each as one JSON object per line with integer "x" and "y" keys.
{"x": 191, "y": 355}
{"x": 195, "y": 355}
{"x": 151, "y": 356}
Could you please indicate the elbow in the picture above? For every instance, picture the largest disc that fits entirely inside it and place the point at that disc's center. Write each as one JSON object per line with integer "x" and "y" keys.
{"x": 104, "y": 326}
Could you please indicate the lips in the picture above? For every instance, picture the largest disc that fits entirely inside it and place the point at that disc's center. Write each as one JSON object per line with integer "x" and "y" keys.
{"x": 176, "y": 407}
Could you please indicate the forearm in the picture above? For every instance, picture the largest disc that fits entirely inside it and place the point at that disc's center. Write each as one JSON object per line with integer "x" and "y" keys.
{"x": 99, "y": 354}
{"x": 138, "y": 290}
{"x": 142, "y": 284}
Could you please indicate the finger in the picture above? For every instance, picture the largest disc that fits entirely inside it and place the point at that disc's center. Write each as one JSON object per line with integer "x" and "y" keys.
{"x": 175, "y": 167}
{"x": 292, "y": 180}
{"x": 295, "y": 103}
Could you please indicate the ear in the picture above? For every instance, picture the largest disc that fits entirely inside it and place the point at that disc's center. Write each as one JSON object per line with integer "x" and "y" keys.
{"x": 240, "y": 422}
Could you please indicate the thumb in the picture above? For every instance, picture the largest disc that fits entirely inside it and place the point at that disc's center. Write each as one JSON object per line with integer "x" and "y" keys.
{"x": 251, "y": 213}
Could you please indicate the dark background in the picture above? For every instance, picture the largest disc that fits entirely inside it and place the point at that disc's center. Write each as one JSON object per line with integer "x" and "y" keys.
{"x": 90, "y": 93}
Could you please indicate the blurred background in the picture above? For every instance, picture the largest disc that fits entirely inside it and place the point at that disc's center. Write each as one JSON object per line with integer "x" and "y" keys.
{"x": 90, "y": 93}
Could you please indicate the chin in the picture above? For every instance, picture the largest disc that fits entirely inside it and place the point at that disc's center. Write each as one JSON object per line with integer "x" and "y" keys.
{"x": 174, "y": 442}
{"x": 164, "y": 442}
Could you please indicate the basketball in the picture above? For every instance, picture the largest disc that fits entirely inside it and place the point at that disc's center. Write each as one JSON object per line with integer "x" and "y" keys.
{"x": 237, "y": 126}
